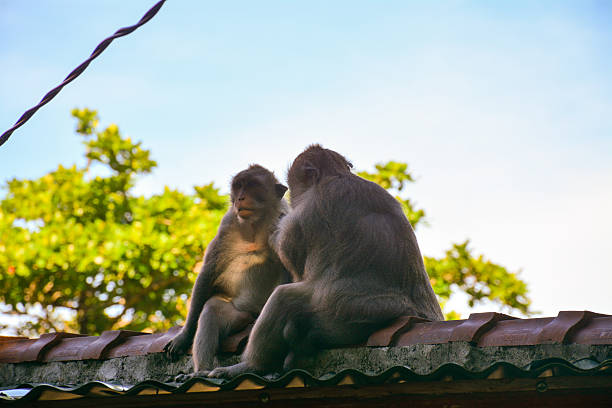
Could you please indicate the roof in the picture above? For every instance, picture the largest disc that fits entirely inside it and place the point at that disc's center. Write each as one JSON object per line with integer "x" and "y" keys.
{"x": 486, "y": 346}
{"x": 481, "y": 329}
{"x": 451, "y": 380}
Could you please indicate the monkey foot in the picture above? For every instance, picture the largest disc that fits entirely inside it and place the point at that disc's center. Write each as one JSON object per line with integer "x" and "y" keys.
{"x": 230, "y": 371}
{"x": 184, "y": 377}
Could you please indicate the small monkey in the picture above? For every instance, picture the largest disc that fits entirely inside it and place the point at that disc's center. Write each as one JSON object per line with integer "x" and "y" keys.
{"x": 240, "y": 268}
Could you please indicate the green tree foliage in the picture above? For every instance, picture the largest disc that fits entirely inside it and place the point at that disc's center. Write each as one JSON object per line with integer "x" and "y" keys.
{"x": 80, "y": 252}
{"x": 459, "y": 270}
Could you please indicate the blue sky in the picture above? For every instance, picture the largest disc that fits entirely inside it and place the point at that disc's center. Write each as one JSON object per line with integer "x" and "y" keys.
{"x": 503, "y": 110}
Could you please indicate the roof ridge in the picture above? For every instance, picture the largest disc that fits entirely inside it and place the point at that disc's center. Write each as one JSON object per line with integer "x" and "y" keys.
{"x": 480, "y": 329}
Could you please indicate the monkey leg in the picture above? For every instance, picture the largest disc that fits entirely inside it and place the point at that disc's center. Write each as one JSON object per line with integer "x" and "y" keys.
{"x": 219, "y": 318}
{"x": 268, "y": 347}
{"x": 301, "y": 336}
{"x": 352, "y": 318}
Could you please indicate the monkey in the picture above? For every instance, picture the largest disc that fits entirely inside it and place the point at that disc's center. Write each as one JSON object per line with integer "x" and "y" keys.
{"x": 355, "y": 263}
{"x": 239, "y": 271}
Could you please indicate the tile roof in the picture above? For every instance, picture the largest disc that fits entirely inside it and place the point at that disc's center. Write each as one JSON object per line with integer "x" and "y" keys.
{"x": 575, "y": 343}
{"x": 481, "y": 329}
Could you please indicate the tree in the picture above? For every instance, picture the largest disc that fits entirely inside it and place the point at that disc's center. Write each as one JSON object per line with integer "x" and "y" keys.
{"x": 81, "y": 253}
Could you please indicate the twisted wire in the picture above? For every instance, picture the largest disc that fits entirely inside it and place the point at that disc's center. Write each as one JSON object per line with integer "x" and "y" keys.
{"x": 79, "y": 70}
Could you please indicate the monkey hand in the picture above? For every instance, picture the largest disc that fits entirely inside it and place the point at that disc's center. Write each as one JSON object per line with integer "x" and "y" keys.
{"x": 178, "y": 345}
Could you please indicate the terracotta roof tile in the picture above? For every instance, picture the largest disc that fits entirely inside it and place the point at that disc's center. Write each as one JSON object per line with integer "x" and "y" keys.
{"x": 10, "y": 338}
{"x": 158, "y": 341}
{"x": 11, "y": 348}
{"x": 389, "y": 335}
{"x": 480, "y": 329}
{"x": 514, "y": 332}
{"x": 472, "y": 329}
{"x": 565, "y": 325}
{"x": 597, "y": 331}
{"x": 495, "y": 329}
{"x": 428, "y": 333}
{"x": 48, "y": 342}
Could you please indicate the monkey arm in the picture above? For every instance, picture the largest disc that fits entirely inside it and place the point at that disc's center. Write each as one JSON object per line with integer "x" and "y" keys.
{"x": 202, "y": 291}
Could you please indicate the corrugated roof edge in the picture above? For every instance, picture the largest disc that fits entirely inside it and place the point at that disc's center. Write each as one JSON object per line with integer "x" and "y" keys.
{"x": 300, "y": 378}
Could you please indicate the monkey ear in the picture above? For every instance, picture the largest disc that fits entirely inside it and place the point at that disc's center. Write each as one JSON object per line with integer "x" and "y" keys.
{"x": 280, "y": 190}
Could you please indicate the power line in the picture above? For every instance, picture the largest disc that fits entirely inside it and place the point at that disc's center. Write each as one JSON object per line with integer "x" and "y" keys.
{"x": 79, "y": 70}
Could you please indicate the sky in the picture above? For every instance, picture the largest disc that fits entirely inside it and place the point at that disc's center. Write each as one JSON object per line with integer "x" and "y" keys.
{"x": 503, "y": 110}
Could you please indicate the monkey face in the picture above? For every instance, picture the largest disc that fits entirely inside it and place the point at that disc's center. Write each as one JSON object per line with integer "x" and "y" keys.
{"x": 255, "y": 191}
{"x": 249, "y": 196}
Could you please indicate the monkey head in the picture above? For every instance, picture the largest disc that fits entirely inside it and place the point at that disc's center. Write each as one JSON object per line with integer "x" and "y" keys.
{"x": 255, "y": 192}
{"x": 312, "y": 165}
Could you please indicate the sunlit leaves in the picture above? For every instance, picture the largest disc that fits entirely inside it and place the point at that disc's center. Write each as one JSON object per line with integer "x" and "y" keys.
{"x": 82, "y": 253}
{"x": 391, "y": 175}
{"x": 88, "y": 120}
{"x": 478, "y": 277}
{"x": 110, "y": 148}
